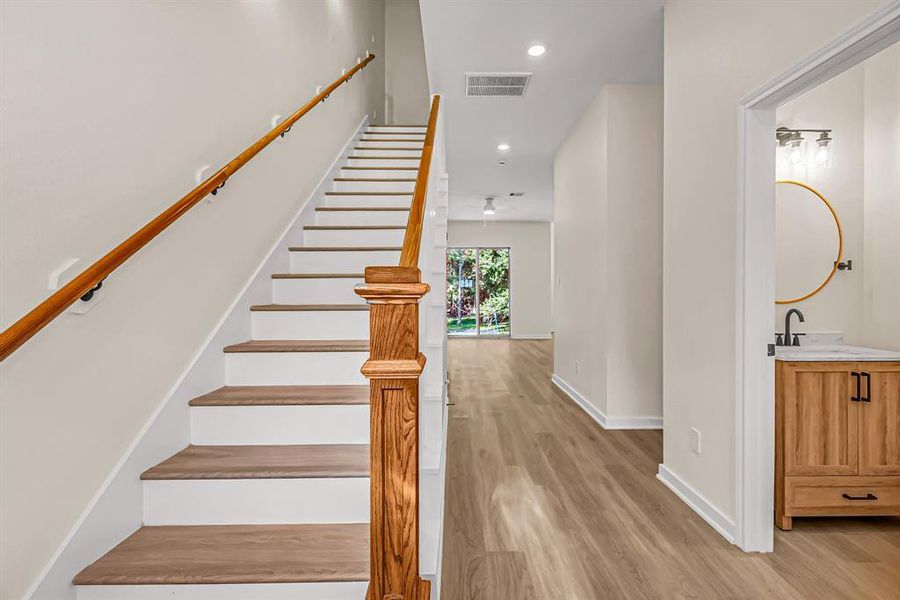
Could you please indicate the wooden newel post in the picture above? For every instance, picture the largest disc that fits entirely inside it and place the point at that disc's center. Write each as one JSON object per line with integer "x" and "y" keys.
{"x": 393, "y": 371}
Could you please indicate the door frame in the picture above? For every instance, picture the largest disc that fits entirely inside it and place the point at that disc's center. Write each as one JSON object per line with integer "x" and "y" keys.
{"x": 755, "y": 293}
{"x": 478, "y": 250}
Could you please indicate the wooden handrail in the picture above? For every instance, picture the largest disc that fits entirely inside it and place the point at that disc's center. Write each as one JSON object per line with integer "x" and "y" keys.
{"x": 409, "y": 254}
{"x": 38, "y": 318}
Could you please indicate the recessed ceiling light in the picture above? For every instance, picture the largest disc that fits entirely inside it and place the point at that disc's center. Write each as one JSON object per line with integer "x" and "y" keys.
{"x": 536, "y": 50}
{"x": 502, "y": 147}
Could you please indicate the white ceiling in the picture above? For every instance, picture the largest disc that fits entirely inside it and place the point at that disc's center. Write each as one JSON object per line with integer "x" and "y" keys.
{"x": 589, "y": 43}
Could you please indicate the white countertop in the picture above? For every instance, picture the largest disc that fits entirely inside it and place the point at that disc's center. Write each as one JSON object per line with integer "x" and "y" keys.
{"x": 834, "y": 353}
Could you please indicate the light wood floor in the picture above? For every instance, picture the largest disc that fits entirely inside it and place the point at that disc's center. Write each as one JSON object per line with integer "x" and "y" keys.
{"x": 542, "y": 503}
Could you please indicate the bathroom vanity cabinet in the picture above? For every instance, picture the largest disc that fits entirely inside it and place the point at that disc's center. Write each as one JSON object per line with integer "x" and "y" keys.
{"x": 837, "y": 439}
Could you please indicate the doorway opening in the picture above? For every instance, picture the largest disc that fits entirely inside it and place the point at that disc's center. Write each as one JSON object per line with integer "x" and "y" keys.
{"x": 755, "y": 433}
{"x": 478, "y": 292}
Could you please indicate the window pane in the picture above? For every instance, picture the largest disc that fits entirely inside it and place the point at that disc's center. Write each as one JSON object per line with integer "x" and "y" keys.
{"x": 461, "y": 291}
{"x": 494, "y": 291}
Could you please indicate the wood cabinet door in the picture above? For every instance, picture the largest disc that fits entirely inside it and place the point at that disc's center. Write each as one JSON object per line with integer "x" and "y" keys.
{"x": 879, "y": 419}
{"x": 820, "y": 419}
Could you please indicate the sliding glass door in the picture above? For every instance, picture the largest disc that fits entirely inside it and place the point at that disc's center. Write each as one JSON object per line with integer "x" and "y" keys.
{"x": 478, "y": 292}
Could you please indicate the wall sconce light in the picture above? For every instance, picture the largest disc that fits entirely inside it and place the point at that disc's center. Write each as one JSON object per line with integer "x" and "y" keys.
{"x": 792, "y": 147}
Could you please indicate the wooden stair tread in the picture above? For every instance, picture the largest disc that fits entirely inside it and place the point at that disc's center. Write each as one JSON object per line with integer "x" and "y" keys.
{"x": 300, "y": 346}
{"x": 264, "y": 462}
{"x": 284, "y": 395}
{"x": 393, "y": 140}
{"x": 362, "y": 208}
{"x": 309, "y": 307}
{"x": 209, "y": 554}
{"x": 317, "y": 276}
{"x": 354, "y": 157}
{"x": 369, "y": 193}
{"x": 352, "y": 168}
{"x": 352, "y": 227}
{"x": 344, "y": 248}
{"x": 390, "y": 179}
{"x": 385, "y": 148}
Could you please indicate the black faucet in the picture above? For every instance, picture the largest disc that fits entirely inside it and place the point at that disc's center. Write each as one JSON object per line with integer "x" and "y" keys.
{"x": 787, "y": 327}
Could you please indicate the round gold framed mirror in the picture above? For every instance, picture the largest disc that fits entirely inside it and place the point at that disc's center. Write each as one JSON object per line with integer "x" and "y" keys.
{"x": 795, "y": 297}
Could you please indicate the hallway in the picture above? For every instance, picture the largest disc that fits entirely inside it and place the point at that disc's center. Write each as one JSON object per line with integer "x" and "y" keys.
{"x": 544, "y": 504}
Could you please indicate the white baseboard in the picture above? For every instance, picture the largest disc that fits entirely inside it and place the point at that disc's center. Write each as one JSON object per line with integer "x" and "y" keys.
{"x": 700, "y": 505}
{"x": 531, "y": 336}
{"x": 605, "y": 421}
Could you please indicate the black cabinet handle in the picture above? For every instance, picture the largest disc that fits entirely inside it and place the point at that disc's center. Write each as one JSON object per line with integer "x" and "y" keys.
{"x": 866, "y": 497}
{"x": 868, "y": 396}
{"x": 856, "y": 397}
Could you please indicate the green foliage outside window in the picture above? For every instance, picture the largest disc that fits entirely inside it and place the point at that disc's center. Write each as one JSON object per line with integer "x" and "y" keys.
{"x": 493, "y": 292}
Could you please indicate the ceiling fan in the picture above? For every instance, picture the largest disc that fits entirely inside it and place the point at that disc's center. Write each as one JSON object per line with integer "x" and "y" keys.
{"x": 489, "y": 209}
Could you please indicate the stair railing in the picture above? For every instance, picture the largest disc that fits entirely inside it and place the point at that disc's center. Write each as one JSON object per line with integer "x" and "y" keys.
{"x": 90, "y": 280}
{"x": 393, "y": 370}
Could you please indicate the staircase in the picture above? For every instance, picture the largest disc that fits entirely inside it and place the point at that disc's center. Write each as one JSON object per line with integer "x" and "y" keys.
{"x": 272, "y": 498}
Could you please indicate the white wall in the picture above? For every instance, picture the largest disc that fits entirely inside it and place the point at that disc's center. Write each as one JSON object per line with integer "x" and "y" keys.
{"x": 806, "y": 239}
{"x": 107, "y": 110}
{"x": 881, "y": 218}
{"x": 715, "y": 52}
{"x": 406, "y": 100}
{"x": 529, "y": 265}
{"x": 608, "y": 255}
{"x": 862, "y": 106}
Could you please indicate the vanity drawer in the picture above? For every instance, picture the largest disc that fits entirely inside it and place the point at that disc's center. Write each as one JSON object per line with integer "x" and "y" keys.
{"x": 842, "y": 496}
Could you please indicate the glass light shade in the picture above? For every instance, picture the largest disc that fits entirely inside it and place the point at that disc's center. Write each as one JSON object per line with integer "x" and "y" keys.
{"x": 823, "y": 156}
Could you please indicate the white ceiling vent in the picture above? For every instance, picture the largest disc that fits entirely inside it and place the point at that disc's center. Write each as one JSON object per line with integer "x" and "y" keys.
{"x": 496, "y": 84}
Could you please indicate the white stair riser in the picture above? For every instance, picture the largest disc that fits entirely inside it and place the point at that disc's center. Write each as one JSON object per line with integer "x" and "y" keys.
{"x": 294, "y": 368}
{"x": 401, "y": 201}
{"x": 377, "y": 152}
{"x": 381, "y": 173}
{"x": 382, "y": 162}
{"x": 377, "y": 186}
{"x": 362, "y": 217}
{"x": 335, "y": 590}
{"x": 279, "y": 425}
{"x": 256, "y": 501}
{"x": 388, "y": 128}
{"x": 341, "y": 261}
{"x": 418, "y": 142}
{"x": 310, "y": 324}
{"x": 353, "y": 237}
{"x": 315, "y": 291}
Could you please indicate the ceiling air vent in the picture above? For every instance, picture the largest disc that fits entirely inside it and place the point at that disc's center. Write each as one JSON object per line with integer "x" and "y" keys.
{"x": 496, "y": 84}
